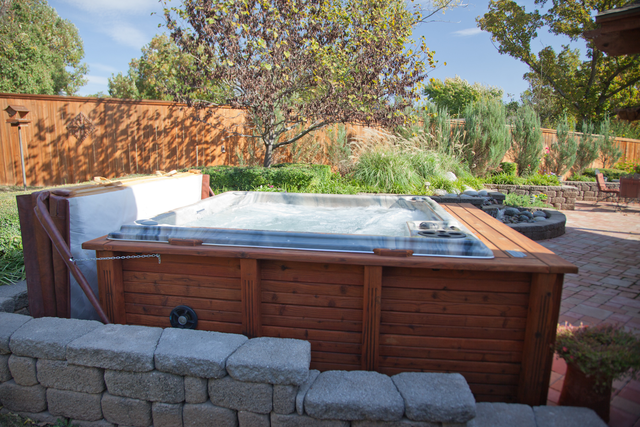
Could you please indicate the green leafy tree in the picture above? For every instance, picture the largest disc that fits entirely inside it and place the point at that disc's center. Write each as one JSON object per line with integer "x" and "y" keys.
{"x": 301, "y": 64}
{"x": 588, "y": 148}
{"x": 154, "y": 74}
{"x": 562, "y": 154}
{"x": 586, "y": 89}
{"x": 40, "y": 52}
{"x": 455, "y": 94}
{"x": 609, "y": 150}
{"x": 487, "y": 137}
{"x": 527, "y": 140}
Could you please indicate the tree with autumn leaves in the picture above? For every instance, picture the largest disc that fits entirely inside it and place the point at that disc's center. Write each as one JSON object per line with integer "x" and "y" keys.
{"x": 296, "y": 66}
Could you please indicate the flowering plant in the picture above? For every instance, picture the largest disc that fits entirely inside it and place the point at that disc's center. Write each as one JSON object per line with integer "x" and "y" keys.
{"x": 605, "y": 352}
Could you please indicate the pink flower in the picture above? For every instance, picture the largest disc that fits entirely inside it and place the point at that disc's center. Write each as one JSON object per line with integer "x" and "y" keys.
{"x": 564, "y": 349}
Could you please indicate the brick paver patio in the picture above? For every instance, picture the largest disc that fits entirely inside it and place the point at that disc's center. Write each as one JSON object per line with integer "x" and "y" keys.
{"x": 604, "y": 242}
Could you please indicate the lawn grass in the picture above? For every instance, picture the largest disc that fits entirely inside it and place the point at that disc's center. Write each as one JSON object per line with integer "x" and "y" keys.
{"x": 11, "y": 258}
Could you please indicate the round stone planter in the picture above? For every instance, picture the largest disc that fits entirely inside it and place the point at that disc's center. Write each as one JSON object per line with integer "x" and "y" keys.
{"x": 554, "y": 225}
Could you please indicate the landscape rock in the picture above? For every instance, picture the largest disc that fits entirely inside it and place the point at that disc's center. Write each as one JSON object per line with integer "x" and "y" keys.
{"x": 154, "y": 386}
{"x": 304, "y": 388}
{"x": 23, "y": 370}
{"x": 9, "y": 323}
{"x": 284, "y": 399}
{"x": 126, "y": 411}
{"x": 249, "y": 419}
{"x": 200, "y": 414}
{"x": 64, "y": 376}
{"x": 271, "y": 360}
{"x": 48, "y": 337}
{"x": 71, "y": 404}
{"x": 566, "y": 416}
{"x": 354, "y": 395}
{"x": 450, "y": 176}
{"x": 166, "y": 414}
{"x": 17, "y": 293}
{"x": 118, "y": 347}
{"x": 195, "y": 390}
{"x": 436, "y": 397}
{"x": 295, "y": 420}
{"x": 405, "y": 422}
{"x": 20, "y": 398}
{"x": 502, "y": 415}
{"x": 511, "y": 211}
{"x": 195, "y": 353}
{"x": 241, "y": 396}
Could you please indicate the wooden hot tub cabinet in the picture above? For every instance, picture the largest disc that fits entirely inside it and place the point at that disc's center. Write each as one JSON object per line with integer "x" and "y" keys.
{"x": 492, "y": 320}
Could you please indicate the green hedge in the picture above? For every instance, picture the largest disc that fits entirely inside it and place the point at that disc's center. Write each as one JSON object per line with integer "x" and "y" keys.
{"x": 609, "y": 173}
{"x": 289, "y": 177}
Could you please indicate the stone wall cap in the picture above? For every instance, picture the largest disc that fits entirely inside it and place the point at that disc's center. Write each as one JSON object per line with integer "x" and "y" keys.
{"x": 271, "y": 360}
{"x": 566, "y": 416}
{"x": 48, "y": 337}
{"x": 501, "y": 414}
{"x": 194, "y": 353}
{"x": 117, "y": 347}
{"x": 9, "y": 323}
{"x": 354, "y": 395}
{"x": 436, "y": 397}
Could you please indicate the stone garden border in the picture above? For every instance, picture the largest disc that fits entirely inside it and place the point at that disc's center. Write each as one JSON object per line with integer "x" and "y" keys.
{"x": 553, "y": 227}
{"x": 561, "y": 197}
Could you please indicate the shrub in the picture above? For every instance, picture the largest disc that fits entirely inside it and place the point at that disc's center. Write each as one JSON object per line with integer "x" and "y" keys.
{"x": 509, "y": 168}
{"x": 522, "y": 201}
{"x": 583, "y": 178}
{"x": 527, "y": 140}
{"x": 293, "y": 177}
{"x": 628, "y": 167}
{"x": 588, "y": 148}
{"x": 387, "y": 171}
{"x": 538, "y": 179}
{"x": 609, "y": 173}
{"x": 609, "y": 150}
{"x": 487, "y": 138}
{"x": 562, "y": 154}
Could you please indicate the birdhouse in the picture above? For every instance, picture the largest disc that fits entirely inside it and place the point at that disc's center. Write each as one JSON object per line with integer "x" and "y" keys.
{"x": 18, "y": 115}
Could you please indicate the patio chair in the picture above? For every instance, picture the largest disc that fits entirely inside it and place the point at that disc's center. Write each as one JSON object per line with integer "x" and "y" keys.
{"x": 609, "y": 192}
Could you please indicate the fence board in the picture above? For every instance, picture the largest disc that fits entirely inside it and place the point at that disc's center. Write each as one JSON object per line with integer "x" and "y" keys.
{"x": 137, "y": 137}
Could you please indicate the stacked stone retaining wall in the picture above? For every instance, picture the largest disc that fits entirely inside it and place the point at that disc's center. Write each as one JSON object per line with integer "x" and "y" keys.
{"x": 561, "y": 197}
{"x": 588, "y": 191}
{"x": 104, "y": 375}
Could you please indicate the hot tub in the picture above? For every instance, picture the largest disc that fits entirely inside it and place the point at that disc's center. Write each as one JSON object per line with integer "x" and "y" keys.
{"x": 483, "y": 303}
{"x": 314, "y": 222}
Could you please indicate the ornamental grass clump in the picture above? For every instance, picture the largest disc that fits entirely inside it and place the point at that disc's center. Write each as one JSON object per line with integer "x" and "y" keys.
{"x": 604, "y": 352}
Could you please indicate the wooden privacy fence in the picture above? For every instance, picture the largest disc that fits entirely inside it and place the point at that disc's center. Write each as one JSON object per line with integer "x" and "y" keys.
{"x": 73, "y": 139}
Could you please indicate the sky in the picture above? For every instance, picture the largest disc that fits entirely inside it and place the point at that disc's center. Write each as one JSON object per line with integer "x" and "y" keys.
{"x": 114, "y": 31}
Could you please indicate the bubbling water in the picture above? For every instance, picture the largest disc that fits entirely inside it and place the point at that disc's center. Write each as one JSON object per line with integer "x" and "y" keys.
{"x": 372, "y": 220}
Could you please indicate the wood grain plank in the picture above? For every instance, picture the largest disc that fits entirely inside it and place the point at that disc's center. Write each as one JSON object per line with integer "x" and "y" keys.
{"x": 311, "y": 312}
{"x": 453, "y": 320}
{"x": 521, "y": 287}
{"x": 314, "y": 301}
{"x": 371, "y": 308}
{"x": 156, "y": 310}
{"x": 312, "y": 289}
{"x": 454, "y": 343}
{"x": 203, "y": 325}
{"x": 453, "y": 332}
{"x": 152, "y": 266}
{"x": 183, "y": 291}
{"x": 447, "y": 296}
{"x": 451, "y": 308}
{"x": 251, "y": 297}
{"x": 181, "y": 280}
{"x": 312, "y": 334}
{"x": 456, "y": 366}
{"x": 111, "y": 287}
{"x": 195, "y": 303}
{"x": 447, "y": 354}
{"x": 324, "y": 324}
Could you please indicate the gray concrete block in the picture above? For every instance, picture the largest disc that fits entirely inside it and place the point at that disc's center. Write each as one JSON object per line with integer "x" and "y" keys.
{"x": 195, "y": 353}
{"x": 71, "y": 404}
{"x": 195, "y": 390}
{"x": 566, "y": 416}
{"x": 207, "y": 415}
{"x": 99, "y": 423}
{"x": 20, "y": 398}
{"x": 166, "y": 414}
{"x": 405, "y": 422}
{"x": 9, "y": 323}
{"x": 295, "y": 420}
{"x": 271, "y": 360}
{"x": 125, "y": 411}
{"x": 284, "y": 399}
{"x": 23, "y": 370}
{"x": 17, "y": 293}
{"x": 249, "y": 419}
{"x": 304, "y": 388}
{"x": 7, "y": 305}
{"x": 61, "y": 375}
{"x": 5, "y": 373}
{"x": 154, "y": 386}
{"x": 229, "y": 393}
{"x": 119, "y": 347}
{"x": 502, "y": 415}
{"x": 436, "y": 397}
{"x": 48, "y": 337}
{"x": 355, "y": 395}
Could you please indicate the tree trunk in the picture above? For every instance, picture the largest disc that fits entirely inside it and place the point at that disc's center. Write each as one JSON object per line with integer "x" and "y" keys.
{"x": 268, "y": 155}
